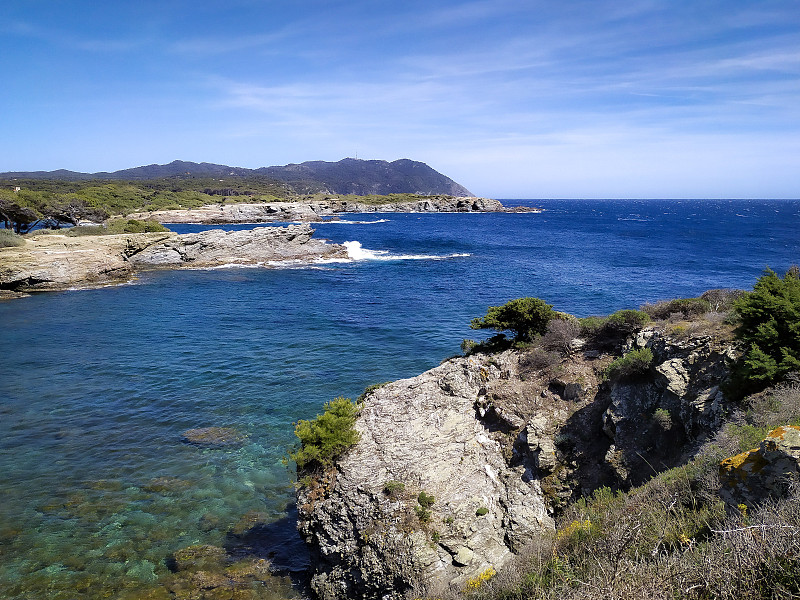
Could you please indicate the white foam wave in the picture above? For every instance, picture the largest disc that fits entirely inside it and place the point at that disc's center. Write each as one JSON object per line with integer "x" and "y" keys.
{"x": 356, "y": 252}
{"x": 343, "y": 222}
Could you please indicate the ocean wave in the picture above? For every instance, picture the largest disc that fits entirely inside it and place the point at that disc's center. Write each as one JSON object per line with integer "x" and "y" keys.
{"x": 343, "y": 222}
{"x": 356, "y": 252}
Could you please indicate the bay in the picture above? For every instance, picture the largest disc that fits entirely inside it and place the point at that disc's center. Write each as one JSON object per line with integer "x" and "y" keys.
{"x": 97, "y": 487}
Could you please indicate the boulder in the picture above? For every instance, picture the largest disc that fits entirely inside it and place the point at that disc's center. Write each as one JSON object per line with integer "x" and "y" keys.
{"x": 764, "y": 472}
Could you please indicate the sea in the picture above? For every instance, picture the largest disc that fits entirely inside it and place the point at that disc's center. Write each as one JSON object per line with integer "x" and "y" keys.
{"x": 98, "y": 486}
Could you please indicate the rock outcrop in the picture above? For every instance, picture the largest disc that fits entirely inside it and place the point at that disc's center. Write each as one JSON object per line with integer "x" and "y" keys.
{"x": 651, "y": 419}
{"x": 371, "y": 529}
{"x": 764, "y": 472}
{"x": 261, "y": 245}
{"x": 315, "y": 211}
{"x": 501, "y": 442}
{"x": 57, "y": 262}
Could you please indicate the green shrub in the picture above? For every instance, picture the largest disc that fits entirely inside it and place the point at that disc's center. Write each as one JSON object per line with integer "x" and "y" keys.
{"x": 368, "y": 390}
{"x": 326, "y": 437}
{"x": 635, "y": 363}
{"x": 393, "y": 488}
{"x": 9, "y": 239}
{"x": 662, "y": 418}
{"x": 626, "y": 321}
{"x": 425, "y": 500}
{"x": 84, "y": 230}
{"x": 526, "y": 318}
{"x": 769, "y": 327}
{"x": 482, "y": 511}
{"x": 686, "y": 308}
{"x": 135, "y": 226}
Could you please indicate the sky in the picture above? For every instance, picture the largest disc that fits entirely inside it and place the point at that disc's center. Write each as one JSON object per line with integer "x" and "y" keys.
{"x": 510, "y": 98}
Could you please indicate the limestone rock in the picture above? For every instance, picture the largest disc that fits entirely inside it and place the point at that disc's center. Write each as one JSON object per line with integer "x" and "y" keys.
{"x": 271, "y": 212}
{"x": 688, "y": 375}
{"x": 57, "y": 262}
{"x": 261, "y": 245}
{"x": 426, "y": 433}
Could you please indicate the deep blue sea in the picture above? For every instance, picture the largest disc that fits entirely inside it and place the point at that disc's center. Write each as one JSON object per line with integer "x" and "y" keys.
{"x": 97, "y": 386}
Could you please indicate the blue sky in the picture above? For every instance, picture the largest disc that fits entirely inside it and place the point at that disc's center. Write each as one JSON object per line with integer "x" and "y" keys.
{"x": 512, "y": 99}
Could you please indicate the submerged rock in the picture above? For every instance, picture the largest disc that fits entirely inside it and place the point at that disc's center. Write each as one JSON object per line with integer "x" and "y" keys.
{"x": 214, "y": 437}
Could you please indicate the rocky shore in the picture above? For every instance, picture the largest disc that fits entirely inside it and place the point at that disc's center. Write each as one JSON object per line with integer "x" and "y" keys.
{"x": 314, "y": 211}
{"x": 458, "y": 468}
{"x": 57, "y": 262}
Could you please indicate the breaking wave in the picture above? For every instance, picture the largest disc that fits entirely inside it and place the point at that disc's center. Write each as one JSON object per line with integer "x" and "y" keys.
{"x": 356, "y": 252}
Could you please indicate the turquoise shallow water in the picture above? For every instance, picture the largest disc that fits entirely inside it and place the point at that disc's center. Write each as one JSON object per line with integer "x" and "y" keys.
{"x": 97, "y": 488}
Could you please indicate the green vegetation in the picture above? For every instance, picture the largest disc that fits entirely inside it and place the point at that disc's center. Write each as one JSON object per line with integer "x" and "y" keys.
{"x": 634, "y": 364}
{"x": 423, "y": 508}
{"x": 9, "y": 239}
{"x": 526, "y": 318}
{"x": 393, "y": 488}
{"x": 482, "y": 511}
{"x": 134, "y": 226}
{"x": 769, "y": 328}
{"x": 327, "y": 436}
{"x": 368, "y": 390}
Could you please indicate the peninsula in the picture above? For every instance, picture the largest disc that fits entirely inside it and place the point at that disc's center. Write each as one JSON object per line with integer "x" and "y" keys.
{"x": 54, "y": 261}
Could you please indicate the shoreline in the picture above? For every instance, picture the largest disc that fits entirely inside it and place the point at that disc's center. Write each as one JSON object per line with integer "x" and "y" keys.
{"x": 55, "y": 262}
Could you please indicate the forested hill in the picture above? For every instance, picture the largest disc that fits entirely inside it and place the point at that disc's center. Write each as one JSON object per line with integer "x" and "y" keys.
{"x": 347, "y": 176}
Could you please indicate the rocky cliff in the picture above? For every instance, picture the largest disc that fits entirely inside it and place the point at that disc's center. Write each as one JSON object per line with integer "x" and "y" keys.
{"x": 500, "y": 443}
{"x": 56, "y": 262}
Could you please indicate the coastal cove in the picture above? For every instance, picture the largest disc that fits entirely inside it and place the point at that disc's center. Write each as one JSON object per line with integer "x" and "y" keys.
{"x": 98, "y": 486}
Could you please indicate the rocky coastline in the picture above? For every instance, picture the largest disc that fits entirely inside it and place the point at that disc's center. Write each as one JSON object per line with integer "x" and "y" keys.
{"x": 318, "y": 211}
{"x": 53, "y": 262}
{"x": 458, "y": 469}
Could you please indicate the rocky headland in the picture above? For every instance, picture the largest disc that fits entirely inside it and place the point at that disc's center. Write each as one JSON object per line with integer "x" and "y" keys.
{"x": 457, "y": 470}
{"x": 314, "y": 211}
{"x": 55, "y": 262}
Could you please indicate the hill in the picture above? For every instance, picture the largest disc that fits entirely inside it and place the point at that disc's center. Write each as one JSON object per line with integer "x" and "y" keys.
{"x": 347, "y": 176}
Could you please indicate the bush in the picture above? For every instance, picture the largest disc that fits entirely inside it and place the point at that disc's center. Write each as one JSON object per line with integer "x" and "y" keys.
{"x": 769, "y": 329}
{"x": 326, "y": 437}
{"x": 722, "y": 299}
{"x": 634, "y": 364}
{"x": 9, "y": 239}
{"x": 526, "y": 318}
{"x": 135, "y": 226}
{"x": 393, "y": 488}
{"x": 560, "y": 334}
{"x": 83, "y": 230}
{"x": 625, "y": 322}
{"x": 686, "y": 308}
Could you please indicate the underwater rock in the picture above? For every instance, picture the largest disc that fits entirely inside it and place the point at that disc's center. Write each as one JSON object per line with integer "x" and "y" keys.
{"x": 214, "y": 437}
{"x": 166, "y": 485}
{"x": 199, "y": 556}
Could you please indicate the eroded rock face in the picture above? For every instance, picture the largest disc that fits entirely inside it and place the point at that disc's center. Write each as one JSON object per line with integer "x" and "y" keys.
{"x": 426, "y": 433}
{"x": 683, "y": 386}
{"x": 764, "y": 472}
{"x": 501, "y": 442}
{"x": 57, "y": 262}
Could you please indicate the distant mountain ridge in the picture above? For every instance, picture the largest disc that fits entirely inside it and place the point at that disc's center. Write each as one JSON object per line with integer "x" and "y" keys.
{"x": 347, "y": 176}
